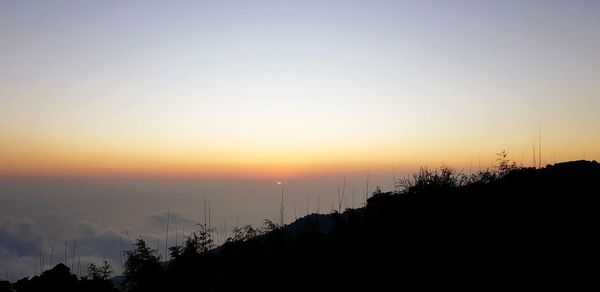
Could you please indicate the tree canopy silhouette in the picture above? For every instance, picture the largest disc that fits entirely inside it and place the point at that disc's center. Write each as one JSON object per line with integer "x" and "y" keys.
{"x": 142, "y": 268}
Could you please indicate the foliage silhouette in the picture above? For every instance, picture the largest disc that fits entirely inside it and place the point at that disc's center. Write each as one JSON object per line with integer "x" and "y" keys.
{"x": 59, "y": 278}
{"x": 102, "y": 272}
{"x": 142, "y": 268}
{"x": 505, "y": 227}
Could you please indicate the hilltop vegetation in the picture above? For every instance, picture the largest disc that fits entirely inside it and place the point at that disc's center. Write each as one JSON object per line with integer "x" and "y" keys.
{"x": 507, "y": 227}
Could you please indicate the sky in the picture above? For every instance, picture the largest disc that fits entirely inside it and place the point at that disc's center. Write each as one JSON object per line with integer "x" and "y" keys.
{"x": 271, "y": 88}
{"x": 103, "y": 100}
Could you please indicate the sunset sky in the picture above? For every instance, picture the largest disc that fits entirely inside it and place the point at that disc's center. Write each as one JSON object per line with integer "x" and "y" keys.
{"x": 293, "y": 88}
{"x": 114, "y": 114}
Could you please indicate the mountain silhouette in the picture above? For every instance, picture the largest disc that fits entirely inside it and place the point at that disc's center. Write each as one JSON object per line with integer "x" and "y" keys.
{"x": 510, "y": 228}
{"x": 516, "y": 227}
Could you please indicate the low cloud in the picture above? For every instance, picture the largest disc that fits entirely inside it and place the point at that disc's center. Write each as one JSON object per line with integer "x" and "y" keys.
{"x": 22, "y": 238}
{"x": 159, "y": 221}
{"x": 22, "y": 241}
{"x": 20, "y": 245}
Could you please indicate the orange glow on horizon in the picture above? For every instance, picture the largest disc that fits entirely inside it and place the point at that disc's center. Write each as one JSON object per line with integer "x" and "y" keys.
{"x": 266, "y": 157}
{"x": 46, "y": 161}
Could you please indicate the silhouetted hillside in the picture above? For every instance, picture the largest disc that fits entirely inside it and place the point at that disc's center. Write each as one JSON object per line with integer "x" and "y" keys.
{"x": 59, "y": 278}
{"x": 510, "y": 228}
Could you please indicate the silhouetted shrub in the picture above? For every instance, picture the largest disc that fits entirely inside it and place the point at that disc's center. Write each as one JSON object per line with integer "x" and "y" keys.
{"x": 199, "y": 242}
{"x": 142, "y": 268}
{"x": 424, "y": 179}
{"x": 102, "y": 272}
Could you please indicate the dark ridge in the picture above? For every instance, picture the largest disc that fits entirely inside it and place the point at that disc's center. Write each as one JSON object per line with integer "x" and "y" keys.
{"x": 59, "y": 278}
{"x": 512, "y": 228}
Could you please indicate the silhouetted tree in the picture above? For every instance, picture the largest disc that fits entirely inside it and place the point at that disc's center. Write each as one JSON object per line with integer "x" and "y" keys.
{"x": 198, "y": 242}
{"x": 142, "y": 267}
{"x": 269, "y": 226}
{"x": 102, "y": 272}
{"x": 241, "y": 234}
{"x": 504, "y": 164}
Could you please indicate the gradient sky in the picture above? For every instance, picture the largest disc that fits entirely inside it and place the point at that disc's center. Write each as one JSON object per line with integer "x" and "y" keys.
{"x": 114, "y": 112}
{"x": 291, "y": 88}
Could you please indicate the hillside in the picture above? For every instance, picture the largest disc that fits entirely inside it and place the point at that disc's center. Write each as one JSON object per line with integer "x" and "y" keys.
{"x": 523, "y": 225}
{"x": 515, "y": 227}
